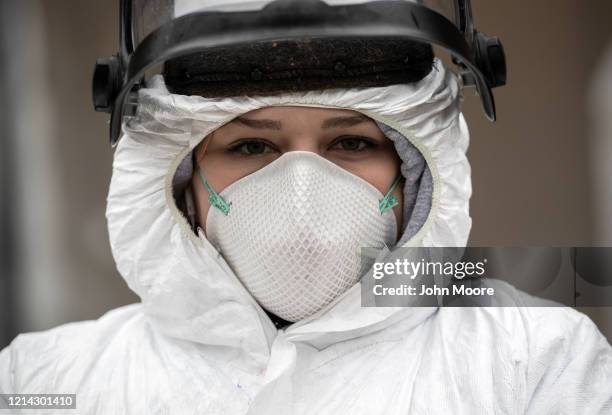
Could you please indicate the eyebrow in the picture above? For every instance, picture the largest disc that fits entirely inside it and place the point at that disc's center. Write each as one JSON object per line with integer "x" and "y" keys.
{"x": 335, "y": 122}
{"x": 346, "y": 121}
{"x": 260, "y": 124}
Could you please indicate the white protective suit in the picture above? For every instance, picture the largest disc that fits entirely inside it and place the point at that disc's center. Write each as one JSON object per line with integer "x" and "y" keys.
{"x": 199, "y": 344}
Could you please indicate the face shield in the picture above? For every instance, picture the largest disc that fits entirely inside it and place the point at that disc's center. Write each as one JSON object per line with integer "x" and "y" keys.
{"x": 148, "y": 15}
{"x": 242, "y": 47}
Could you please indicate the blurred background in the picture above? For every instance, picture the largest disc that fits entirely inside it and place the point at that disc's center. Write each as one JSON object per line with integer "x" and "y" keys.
{"x": 541, "y": 174}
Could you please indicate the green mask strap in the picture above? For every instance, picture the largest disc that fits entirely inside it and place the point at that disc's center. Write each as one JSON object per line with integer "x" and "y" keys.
{"x": 214, "y": 198}
{"x": 389, "y": 201}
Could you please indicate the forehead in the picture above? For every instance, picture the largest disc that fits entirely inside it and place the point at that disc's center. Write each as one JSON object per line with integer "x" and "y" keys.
{"x": 299, "y": 112}
{"x": 288, "y": 118}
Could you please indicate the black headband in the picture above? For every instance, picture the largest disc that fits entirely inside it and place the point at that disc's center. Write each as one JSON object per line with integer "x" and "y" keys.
{"x": 276, "y": 67}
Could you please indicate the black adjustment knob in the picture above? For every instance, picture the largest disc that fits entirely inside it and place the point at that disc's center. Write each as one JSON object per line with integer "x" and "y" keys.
{"x": 340, "y": 67}
{"x": 106, "y": 83}
{"x": 257, "y": 74}
{"x": 491, "y": 59}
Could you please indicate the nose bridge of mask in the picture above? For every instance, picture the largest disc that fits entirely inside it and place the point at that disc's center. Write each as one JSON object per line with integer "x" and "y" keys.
{"x": 216, "y": 200}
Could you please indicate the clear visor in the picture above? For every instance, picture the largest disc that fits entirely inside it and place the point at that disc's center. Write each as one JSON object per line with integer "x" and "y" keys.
{"x": 148, "y": 15}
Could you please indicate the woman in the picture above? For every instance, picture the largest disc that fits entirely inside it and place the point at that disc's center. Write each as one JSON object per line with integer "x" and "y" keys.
{"x": 236, "y": 220}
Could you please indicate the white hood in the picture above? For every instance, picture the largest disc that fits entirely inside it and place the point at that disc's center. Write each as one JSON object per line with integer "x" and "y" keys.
{"x": 187, "y": 289}
{"x": 199, "y": 343}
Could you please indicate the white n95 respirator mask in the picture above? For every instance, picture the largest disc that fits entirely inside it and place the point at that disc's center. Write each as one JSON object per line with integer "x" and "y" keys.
{"x": 293, "y": 230}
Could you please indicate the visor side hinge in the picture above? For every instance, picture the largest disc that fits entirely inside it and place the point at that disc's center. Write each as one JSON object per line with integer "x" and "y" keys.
{"x": 106, "y": 83}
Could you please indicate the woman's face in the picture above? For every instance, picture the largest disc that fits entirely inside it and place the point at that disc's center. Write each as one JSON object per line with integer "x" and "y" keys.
{"x": 253, "y": 140}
